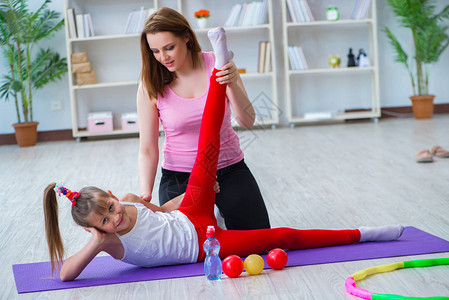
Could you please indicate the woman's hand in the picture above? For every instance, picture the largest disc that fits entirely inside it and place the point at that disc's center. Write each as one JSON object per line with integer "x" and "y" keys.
{"x": 216, "y": 187}
{"x": 145, "y": 200}
{"x": 229, "y": 74}
{"x": 146, "y": 197}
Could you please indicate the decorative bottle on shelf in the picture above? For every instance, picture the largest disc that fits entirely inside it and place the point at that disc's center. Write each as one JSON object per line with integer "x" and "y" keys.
{"x": 362, "y": 59}
{"x": 212, "y": 263}
{"x": 351, "y": 59}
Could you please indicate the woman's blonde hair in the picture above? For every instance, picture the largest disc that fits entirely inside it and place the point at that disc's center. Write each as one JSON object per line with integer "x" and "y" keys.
{"x": 91, "y": 199}
{"x": 154, "y": 75}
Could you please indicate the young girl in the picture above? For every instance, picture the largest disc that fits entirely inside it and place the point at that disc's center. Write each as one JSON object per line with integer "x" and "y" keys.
{"x": 147, "y": 235}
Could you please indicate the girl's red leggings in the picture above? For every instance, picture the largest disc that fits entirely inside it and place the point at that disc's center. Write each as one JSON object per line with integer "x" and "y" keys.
{"x": 198, "y": 202}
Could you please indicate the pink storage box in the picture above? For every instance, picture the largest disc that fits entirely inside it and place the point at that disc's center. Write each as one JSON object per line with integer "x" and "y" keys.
{"x": 99, "y": 122}
{"x": 129, "y": 122}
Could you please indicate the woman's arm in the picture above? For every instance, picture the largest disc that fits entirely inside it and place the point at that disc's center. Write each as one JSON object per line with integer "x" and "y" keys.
{"x": 149, "y": 136}
{"x": 75, "y": 264}
{"x": 241, "y": 106}
{"x": 171, "y": 205}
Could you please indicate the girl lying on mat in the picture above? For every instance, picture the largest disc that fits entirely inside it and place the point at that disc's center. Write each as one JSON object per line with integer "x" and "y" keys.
{"x": 147, "y": 235}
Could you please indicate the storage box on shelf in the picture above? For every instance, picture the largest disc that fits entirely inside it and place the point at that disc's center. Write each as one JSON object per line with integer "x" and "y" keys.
{"x": 99, "y": 122}
{"x": 82, "y": 68}
{"x": 314, "y": 90}
{"x": 130, "y": 122}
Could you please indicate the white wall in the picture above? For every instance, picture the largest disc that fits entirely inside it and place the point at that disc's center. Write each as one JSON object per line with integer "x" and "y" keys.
{"x": 394, "y": 81}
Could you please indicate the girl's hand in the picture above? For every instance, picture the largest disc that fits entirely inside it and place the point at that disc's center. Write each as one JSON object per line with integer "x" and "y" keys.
{"x": 98, "y": 236}
{"x": 216, "y": 187}
{"x": 229, "y": 74}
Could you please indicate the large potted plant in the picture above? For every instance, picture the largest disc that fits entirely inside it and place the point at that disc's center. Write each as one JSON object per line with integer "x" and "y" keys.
{"x": 429, "y": 38}
{"x": 29, "y": 69}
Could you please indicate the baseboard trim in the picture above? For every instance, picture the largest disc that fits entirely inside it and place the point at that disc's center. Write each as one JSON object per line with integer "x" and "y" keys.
{"x": 42, "y": 136}
{"x": 66, "y": 134}
{"x": 406, "y": 111}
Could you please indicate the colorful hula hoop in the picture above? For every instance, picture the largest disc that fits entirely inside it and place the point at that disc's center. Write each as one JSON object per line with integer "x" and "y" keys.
{"x": 351, "y": 281}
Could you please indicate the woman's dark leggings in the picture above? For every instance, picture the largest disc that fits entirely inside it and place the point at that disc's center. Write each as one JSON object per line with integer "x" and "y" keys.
{"x": 239, "y": 200}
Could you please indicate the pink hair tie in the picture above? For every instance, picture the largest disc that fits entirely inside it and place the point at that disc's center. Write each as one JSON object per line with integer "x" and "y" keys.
{"x": 72, "y": 196}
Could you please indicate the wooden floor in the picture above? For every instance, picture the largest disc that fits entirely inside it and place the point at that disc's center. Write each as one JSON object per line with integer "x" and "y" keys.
{"x": 327, "y": 176}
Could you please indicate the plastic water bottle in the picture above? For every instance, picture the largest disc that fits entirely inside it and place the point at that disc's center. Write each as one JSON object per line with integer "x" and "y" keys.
{"x": 212, "y": 263}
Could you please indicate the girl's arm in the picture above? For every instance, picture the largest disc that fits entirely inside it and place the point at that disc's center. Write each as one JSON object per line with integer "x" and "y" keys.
{"x": 75, "y": 264}
{"x": 149, "y": 136}
{"x": 241, "y": 106}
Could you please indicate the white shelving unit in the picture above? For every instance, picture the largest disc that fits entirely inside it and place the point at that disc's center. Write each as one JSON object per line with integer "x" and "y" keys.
{"x": 341, "y": 93}
{"x": 115, "y": 57}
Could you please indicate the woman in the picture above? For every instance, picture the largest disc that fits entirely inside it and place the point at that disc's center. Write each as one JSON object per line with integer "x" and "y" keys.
{"x": 175, "y": 82}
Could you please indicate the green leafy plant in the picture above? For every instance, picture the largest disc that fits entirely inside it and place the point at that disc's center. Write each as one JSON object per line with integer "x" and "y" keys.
{"x": 429, "y": 34}
{"x": 28, "y": 69}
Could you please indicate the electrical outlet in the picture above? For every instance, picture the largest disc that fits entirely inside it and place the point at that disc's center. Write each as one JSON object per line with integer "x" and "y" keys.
{"x": 56, "y": 105}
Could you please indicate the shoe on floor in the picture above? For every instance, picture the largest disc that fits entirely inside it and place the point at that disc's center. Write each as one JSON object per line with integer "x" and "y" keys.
{"x": 439, "y": 152}
{"x": 424, "y": 156}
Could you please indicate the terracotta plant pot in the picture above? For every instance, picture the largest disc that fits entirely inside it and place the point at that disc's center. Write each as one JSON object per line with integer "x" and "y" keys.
{"x": 422, "y": 106}
{"x": 26, "y": 133}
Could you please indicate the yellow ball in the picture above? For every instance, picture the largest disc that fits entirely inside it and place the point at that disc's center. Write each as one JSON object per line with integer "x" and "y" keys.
{"x": 254, "y": 264}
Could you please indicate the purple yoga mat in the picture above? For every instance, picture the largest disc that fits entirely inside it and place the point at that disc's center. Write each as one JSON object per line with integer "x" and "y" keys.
{"x": 36, "y": 277}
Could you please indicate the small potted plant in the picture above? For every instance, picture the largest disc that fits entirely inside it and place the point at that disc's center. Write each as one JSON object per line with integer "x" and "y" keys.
{"x": 202, "y": 15}
{"x": 429, "y": 38}
{"x": 28, "y": 69}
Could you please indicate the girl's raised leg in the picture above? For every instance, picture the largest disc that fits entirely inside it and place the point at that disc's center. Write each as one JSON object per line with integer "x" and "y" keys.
{"x": 199, "y": 199}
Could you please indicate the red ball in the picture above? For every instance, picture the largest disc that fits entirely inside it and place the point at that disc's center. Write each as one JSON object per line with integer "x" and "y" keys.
{"x": 232, "y": 266}
{"x": 277, "y": 259}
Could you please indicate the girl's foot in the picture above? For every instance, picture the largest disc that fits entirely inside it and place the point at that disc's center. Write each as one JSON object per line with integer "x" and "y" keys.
{"x": 217, "y": 37}
{"x": 381, "y": 233}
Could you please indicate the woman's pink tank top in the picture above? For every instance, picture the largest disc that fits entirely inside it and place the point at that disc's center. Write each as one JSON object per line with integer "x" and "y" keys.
{"x": 181, "y": 120}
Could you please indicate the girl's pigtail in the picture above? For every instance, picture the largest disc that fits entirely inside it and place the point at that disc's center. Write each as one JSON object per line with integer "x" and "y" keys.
{"x": 52, "y": 232}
